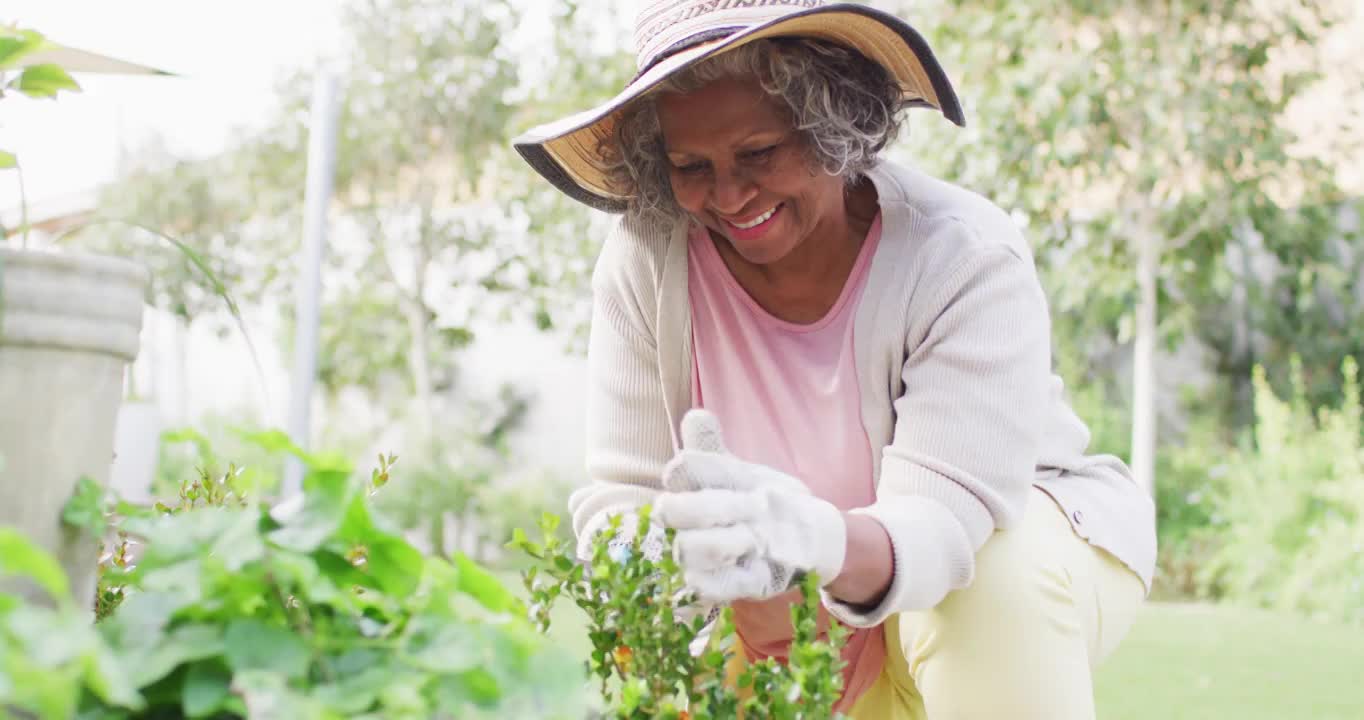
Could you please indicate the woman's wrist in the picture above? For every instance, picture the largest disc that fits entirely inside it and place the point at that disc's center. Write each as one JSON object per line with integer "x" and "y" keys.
{"x": 868, "y": 565}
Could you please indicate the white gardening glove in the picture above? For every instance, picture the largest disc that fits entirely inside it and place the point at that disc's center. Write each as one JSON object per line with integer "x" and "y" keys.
{"x": 621, "y": 547}
{"x": 742, "y": 528}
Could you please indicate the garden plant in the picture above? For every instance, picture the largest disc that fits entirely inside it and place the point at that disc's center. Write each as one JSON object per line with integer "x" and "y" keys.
{"x": 643, "y": 624}
{"x": 234, "y": 608}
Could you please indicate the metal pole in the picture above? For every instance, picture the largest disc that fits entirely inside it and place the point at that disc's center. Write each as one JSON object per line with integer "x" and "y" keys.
{"x": 321, "y": 171}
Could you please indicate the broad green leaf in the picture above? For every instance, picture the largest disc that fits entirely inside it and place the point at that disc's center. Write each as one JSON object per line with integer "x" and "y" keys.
{"x": 44, "y": 81}
{"x": 253, "y": 645}
{"x": 182, "y": 645}
{"x": 308, "y": 530}
{"x": 404, "y": 697}
{"x": 108, "y": 679}
{"x": 207, "y": 686}
{"x": 50, "y": 637}
{"x": 442, "y": 646}
{"x": 395, "y": 565}
{"x": 353, "y": 662}
{"x": 184, "y": 580}
{"x": 324, "y": 508}
{"x": 240, "y": 543}
{"x": 484, "y": 586}
{"x": 356, "y": 692}
{"x": 85, "y": 509}
{"x": 170, "y": 538}
{"x": 278, "y": 441}
{"x": 268, "y": 695}
{"x": 19, "y": 556}
{"x": 140, "y": 618}
{"x": 45, "y": 694}
{"x": 303, "y": 574}
{"x": 16, "y": 44}
{"x": 8, "y": 160}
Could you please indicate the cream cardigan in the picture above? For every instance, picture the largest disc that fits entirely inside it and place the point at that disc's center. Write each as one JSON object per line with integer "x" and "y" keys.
{"x": 952, "y": 344}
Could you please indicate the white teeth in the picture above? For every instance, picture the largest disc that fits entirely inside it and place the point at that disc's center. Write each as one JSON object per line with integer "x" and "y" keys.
{"x": 756, "y": 221}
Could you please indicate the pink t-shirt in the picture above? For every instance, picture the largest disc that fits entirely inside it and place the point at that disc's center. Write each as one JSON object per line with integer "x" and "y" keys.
{"x": 787, "y": 397}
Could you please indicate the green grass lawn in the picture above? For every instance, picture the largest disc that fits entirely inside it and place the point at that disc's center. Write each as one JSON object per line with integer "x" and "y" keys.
{"x": 1200, "y": 662}
{"x": 1182, "y": 662}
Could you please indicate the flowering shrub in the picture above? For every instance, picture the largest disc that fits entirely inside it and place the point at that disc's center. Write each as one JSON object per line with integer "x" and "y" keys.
{"x": 642, "y": 622}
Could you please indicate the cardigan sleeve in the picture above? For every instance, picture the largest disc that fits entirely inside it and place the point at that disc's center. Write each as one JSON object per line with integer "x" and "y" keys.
{"x": 965, "y": 443}
{"x": 629, "y": 438}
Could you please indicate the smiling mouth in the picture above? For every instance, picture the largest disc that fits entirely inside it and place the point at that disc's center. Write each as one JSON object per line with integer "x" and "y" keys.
{"x": 755, "y": 222}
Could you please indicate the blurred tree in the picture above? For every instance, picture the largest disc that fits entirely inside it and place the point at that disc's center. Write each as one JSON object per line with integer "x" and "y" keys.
{"x": 452, "y": 226}
{"x": 1134, "y": 141}
{"x": 227, "y": 211}
{"x": 586, "y": 61}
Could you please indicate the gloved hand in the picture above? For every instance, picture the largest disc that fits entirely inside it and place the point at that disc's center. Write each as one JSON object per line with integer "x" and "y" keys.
{"x": 620, "y": 549}
{"x": 743, "y": 530}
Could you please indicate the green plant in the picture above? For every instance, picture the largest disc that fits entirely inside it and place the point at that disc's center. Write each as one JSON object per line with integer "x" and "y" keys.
{"x": 1289, "y": 510}
{"x": 237, "y": 609}
{"x": 641, "y": 650}
{"x": 43, "y": 80}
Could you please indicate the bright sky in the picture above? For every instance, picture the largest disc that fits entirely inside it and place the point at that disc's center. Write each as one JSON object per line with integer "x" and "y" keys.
{"x": 228, "y": 56}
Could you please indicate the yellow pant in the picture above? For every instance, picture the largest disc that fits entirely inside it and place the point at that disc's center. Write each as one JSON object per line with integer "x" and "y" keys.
{"x": 1021, "y": 642}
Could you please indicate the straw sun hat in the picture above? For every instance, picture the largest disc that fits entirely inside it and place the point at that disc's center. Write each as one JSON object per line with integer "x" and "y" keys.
{"x": 672, "y": 35}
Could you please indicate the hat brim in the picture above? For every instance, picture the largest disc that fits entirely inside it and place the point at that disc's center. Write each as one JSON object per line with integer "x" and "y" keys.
{"x": 565, "y": 152}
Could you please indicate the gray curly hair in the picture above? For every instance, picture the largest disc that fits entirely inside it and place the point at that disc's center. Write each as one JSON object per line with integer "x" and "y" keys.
{"x": 846, "y": 107}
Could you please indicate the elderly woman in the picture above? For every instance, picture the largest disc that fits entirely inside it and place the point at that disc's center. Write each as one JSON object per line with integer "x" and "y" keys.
{"x": 875, "y": 345}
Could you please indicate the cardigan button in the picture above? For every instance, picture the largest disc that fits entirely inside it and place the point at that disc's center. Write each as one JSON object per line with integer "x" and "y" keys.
{"x": 1078, "y": 517}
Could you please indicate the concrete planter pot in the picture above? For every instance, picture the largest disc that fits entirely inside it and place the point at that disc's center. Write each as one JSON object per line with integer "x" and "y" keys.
{"x": 69, "y": 326}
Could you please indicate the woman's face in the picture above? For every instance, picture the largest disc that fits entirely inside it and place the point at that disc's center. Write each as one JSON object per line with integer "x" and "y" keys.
{"x": 739, "y": 167}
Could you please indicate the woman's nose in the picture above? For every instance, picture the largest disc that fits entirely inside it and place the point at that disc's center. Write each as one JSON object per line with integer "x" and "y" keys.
{"x": 731, "y": 192}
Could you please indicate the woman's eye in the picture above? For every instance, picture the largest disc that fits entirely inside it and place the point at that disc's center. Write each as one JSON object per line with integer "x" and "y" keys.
{"x": 760, "y": 153}
{"x": 691, "y": 168}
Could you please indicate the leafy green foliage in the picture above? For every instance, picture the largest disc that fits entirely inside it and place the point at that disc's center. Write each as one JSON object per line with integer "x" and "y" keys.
{"x": 1104, "y": 126}
{"x": 642, "y": 622}
{"x": 1288, "y": 511}
{"x": 236, "y": 609}
{"x": 37, "y": 81}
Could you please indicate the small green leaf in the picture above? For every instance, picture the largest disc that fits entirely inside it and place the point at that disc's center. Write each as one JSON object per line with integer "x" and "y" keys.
{"x": 8, "y": 160}
{"x": 85, "y": 509}
{"x": 481, "y": 687}
{"x": 253, "y": 645}
{"x": 20, "y": 557}
{"x": 44, "y": 81}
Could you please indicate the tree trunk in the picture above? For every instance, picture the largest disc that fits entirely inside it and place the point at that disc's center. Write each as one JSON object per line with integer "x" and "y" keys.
{"x": 418, "y": 323}
{"x": 419, "y": 360}
{"x": 1143, "y": 362}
